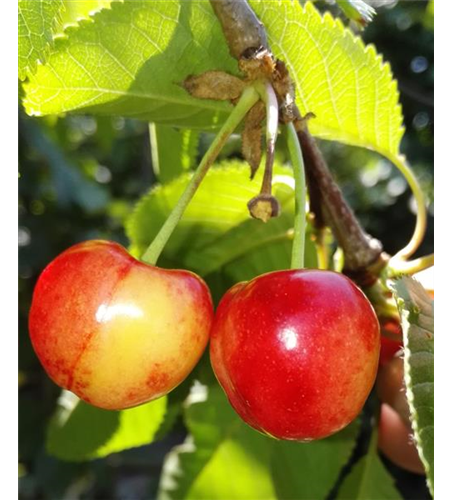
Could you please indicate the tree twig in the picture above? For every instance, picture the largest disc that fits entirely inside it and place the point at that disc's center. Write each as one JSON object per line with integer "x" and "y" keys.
{"x": 363, "y": 254}
{"x": 241, "y": 27}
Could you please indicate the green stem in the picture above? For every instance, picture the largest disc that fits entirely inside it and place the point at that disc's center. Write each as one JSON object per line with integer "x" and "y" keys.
{"x": 398, "y": 266}
{"x": 421, "y": 216}
{"x": 246, "y": 102}
{"x": 296, "y": 156}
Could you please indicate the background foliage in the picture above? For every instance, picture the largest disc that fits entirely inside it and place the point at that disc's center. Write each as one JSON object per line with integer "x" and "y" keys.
{"x": 81, "y": 177}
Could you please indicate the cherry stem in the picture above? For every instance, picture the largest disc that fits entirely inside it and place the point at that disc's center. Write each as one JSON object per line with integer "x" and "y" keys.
{"x": 421, "y": 216}
{"x": 247, "y": 100}
{"x": 398, "y": 266}
{"x": 268, "y": 96}
{"x": 296, "y": 157}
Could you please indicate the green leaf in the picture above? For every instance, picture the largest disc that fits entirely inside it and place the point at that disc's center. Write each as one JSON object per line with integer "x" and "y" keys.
{"x": 310, "y": 470}
{"x": 79, "y": 431}
{"x": 75, "y": 10}
{"x": 345, "y": 83}
{"x": 222, "y": 458}
{"x": 38, "y": 22}
{"x": 216, "y": 230}
{"x": 369, "y": 480}
{"x": 130, "y": 60}
{"x": 173, "y": 151}
{"x": 98, "y": 69}
{"x": 416, "y": 310}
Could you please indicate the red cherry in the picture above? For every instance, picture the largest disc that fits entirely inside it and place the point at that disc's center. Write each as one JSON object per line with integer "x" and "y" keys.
{"x": 391, "y": 388}
{"x": 395, "y": 437}
{"x": 115, "y": 331}
{"x": 396, "y": 442}
{"x": 296, "y": 352}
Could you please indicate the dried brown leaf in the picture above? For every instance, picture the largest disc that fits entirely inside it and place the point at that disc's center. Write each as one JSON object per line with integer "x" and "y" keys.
{"x": 215, "y": 85}
{"x": 251, "y": 136}
{"x": 284, "y": 88}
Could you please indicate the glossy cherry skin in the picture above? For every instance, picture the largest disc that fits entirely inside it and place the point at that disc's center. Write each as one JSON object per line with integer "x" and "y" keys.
{"x": 296, "y": 352}
{"x": 115, "y": 331}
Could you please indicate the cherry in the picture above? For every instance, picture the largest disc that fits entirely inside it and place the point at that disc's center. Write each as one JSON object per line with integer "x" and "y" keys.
{"x": 395, "y": 441}
{"x": 296, "y": 352}
{"x": 395, "y": 436}
{"x": 116, "y": 331}
{"x": 391, "y": 389}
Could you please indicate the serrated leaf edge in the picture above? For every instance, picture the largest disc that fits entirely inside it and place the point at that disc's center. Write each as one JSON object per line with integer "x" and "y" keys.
{"x": 406, "y": 310}
{"x": 32, "y": 65}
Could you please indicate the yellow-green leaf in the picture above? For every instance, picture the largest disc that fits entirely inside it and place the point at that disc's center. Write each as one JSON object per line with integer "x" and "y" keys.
{"x": 38, "y": 22}
{"x": 345, "y": 83}
{"x": 79, "y": 431}
{"x": 130, "y": 60}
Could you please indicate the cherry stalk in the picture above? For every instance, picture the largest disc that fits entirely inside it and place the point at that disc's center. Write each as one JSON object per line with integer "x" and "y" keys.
{"x": 245, "y": 103}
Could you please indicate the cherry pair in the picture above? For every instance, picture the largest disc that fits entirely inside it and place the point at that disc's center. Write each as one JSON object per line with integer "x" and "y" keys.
{"x": 295, "y": 351}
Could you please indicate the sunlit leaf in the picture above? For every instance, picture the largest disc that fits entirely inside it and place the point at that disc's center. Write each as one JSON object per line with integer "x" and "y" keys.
{"x": 97, "y": 69}
{"x": 79, "y": 431}
{"x": 38, "y": 22}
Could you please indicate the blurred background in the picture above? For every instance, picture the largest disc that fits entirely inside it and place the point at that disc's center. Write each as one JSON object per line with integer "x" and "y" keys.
{"x": 79, "y": 179}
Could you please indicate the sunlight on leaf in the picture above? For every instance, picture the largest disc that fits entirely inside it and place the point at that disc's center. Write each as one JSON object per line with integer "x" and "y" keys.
{"x": 342, "y": 81}
{"x": 38, "y": 22}
{"x": 130, "y": 60}
{"x": 216, "y": 230}
{"x": 79, "y": 431}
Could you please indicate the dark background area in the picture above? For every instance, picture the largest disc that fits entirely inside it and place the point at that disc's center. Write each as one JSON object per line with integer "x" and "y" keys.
{"x": 79, "y": 179}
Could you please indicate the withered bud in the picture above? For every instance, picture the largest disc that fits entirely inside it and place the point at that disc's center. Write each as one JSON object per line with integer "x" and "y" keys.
{"x": 284, "y": 89}
{"x": 251, "y": 136}
{"x": 264, "y": 207}
{"x": 257, "y": 63}
{"x": 216, "y": 85}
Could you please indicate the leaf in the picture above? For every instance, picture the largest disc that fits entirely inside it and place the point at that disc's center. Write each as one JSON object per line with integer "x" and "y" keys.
{"x": 75, "y": 10}
{"x": 38, "y": 22}
{"x": 216, "y": 230}
{"x": 342, "y": 81}
{"x": 79, "y": 431}
{"x": 369, "y": 480}
{"x": 98, "y": 69}
{"x": 223, "y": 457}
{"x": 175, "y": 400}
{"x": 173, "y": 151}
{"x": 416, "y": 310}
{"x": 310, "y": 470}
{"x": 131, "y": 60}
